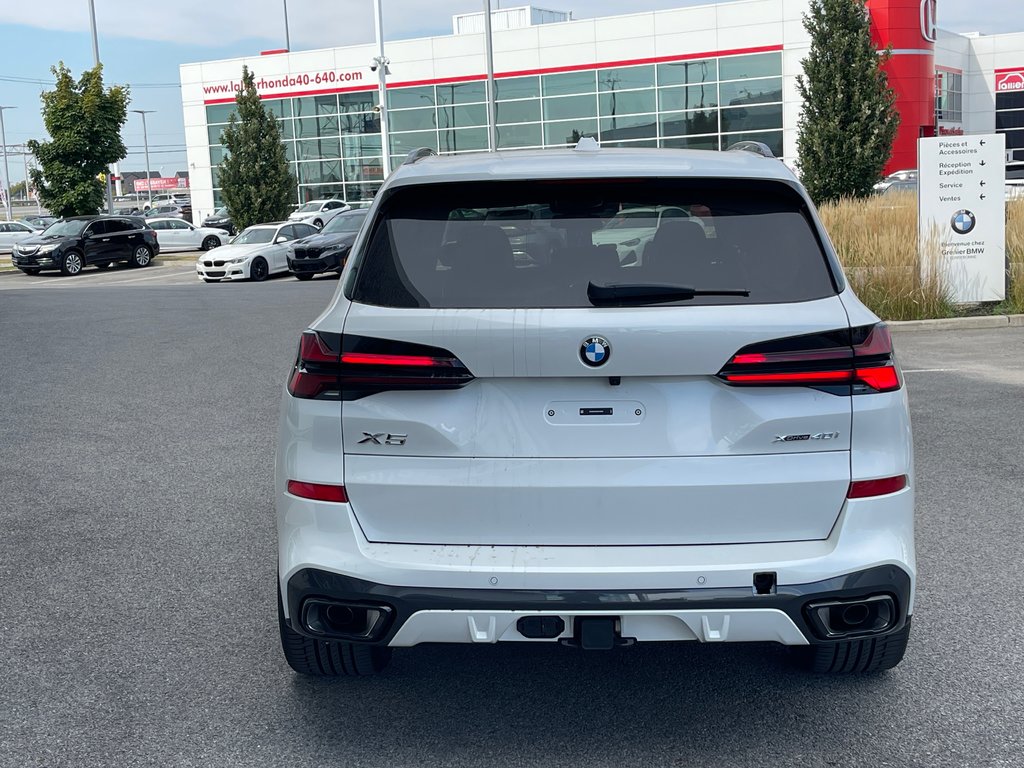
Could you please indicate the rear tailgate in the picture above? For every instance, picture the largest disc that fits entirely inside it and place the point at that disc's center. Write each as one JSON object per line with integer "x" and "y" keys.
{"x": 550, "y": 442}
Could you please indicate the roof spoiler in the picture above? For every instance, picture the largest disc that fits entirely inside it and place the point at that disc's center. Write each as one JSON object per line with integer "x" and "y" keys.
{"x": 417, "y": 155}
{"x": 757, "y": 147}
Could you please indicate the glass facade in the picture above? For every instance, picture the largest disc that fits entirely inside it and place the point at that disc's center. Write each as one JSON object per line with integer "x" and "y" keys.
{"x": 1010, "y": 121}
{"x": 333, "y": 142}
{"x": 949, "y": 88}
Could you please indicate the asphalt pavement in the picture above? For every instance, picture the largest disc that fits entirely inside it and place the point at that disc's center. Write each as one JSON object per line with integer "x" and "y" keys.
{"x": 137, "y": 561}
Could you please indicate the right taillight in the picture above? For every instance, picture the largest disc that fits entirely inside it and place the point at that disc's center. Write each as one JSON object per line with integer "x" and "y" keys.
{"x": 860, "y": 358}
{"x": 332, "y": 367}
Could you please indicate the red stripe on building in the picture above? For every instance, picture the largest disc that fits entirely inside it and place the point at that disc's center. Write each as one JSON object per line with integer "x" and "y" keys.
{"x": 516, "y": 73}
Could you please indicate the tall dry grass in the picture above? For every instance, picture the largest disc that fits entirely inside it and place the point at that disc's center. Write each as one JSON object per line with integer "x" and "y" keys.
{"x": 1015, "y": 256}
{"x": 876, "y": 240}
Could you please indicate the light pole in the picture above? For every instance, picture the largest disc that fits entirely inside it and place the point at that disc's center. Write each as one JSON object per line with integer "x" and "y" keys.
{"x": 7, "y": 173}
{"x": 145, "y": 143}
{"x": 380, "y": 63}
{"x": 287, "y": 37}
{"x": 492, "y": 130}
{"x": 96, "y": 60}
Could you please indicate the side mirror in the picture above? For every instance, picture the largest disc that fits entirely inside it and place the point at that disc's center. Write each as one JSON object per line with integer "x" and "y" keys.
{"x": 281, "y": 239}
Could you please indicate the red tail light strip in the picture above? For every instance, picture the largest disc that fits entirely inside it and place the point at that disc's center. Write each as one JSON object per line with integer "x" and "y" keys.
{"x": 862, "y": 489}
{"x": 417, "y": 361}
{"x": 317, "y": 491}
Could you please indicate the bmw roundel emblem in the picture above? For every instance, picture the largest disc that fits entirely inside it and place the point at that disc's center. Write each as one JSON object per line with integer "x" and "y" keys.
{"x": 963, "y": 221}
{"x": 595, "y": 351}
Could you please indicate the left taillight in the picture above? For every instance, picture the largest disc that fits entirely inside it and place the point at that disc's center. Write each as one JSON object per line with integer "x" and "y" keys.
{"x": 860, "y": 358}
{"x": 332, "y": 367}
{"x": 315, "y": 375}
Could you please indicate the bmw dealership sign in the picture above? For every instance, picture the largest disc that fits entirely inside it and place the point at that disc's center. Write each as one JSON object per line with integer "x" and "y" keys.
{"x": 962, "y": 214}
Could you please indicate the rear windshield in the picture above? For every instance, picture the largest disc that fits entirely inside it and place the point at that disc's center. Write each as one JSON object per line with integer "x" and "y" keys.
{"x": 540, "y": 243}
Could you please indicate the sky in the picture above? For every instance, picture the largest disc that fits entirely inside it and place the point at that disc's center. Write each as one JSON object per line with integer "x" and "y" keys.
{"x": 142, "y": 44}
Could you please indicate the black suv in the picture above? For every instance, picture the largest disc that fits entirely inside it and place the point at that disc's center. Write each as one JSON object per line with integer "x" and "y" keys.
{"x": 327, "y": 250}
{"x": 74, "y": 243}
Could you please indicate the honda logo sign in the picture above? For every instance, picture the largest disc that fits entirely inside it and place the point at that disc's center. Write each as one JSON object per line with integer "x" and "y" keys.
{"x": 928, "y": 27}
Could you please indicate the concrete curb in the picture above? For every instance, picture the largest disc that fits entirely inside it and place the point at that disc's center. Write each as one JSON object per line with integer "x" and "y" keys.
{"x": 957, "y": 323}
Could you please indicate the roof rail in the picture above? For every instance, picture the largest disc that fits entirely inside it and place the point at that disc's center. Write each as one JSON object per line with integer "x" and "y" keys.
{"x": 757, "y": 147}
{"x": 418, "y": 154}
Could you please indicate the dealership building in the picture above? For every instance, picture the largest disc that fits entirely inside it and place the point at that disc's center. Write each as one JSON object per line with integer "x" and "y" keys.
{"x": 698, "y": 77}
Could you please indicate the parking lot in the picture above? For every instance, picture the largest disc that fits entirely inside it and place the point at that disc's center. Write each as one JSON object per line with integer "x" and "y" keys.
{"x": 137, "y": 618}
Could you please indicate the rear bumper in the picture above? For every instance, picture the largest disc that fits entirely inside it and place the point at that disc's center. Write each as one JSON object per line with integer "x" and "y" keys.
{"x": 423, "y": 615}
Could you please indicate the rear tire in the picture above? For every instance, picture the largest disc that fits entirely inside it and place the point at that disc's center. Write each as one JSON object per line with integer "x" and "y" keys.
{"x": 866, "y": 655}
{"x": 329, "y": 659}
{"x": 141, "y": 257}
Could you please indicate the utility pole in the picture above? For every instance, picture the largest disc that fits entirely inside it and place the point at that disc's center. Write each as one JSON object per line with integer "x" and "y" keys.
{"x": 381, "y": 62}
{"x": 492, "y": 131}
{"x": 96, "y": 60}
{"x": 145, "y": 142}
{"x": 7, "y": 173}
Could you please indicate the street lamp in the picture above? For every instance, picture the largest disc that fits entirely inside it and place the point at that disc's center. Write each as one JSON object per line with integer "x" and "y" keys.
{"x": 145, "y": 142}
{"x": 7, "y": 173}
{"x": 380, "y": 66}
{"x": 96, "y": 60}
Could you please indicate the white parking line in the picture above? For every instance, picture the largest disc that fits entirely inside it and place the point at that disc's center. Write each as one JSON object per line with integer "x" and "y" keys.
{"x": 930, "y": 370}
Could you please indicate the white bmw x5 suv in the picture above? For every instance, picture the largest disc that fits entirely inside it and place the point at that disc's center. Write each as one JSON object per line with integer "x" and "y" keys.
{"x": 507, "y": 432}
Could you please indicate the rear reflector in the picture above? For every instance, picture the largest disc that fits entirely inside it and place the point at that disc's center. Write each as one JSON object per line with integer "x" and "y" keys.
{"x": 317, "y": 491}
{"x": 862, "y": 489}
{"x": 860, "y": 357}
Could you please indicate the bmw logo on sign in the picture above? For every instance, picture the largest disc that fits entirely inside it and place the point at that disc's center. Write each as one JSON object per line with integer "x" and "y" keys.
{"x": 595, "y": 351}
{"x": 963, "y": 221}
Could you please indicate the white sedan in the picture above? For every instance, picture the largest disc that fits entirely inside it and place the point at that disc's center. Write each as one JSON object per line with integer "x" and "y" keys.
{"x": 11, "y": 232}
{"x": 179, "y": 235}
{"x": 319, "y": 212}
{"x": 259, "y": 251}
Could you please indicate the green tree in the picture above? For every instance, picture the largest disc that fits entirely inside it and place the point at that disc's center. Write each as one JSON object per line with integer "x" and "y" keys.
{"x": 84, "y": 121}
{"x": 848, "y": 122}
{"x": 254, "y": 177}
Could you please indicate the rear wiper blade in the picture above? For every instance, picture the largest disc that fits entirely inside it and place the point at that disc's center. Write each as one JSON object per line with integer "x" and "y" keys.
{"x": 630, "y": 294}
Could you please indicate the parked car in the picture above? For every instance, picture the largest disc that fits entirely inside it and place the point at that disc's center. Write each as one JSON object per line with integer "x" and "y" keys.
{"x": 170, "y": 212}
{"x": 632, "y": 229}
{"x": 713, "y": 446}
{"x": 220, "y": 219}
{"x": 72, "y": 244}
{"x": 327, "y": 250}
{"x": 319, "y": 212}
{"x": 258, "y": 252}
{"x": 179, "y": 235}
{"x": 909, "y": 174}
{"x": 39, "y": 221}
{"x": 179, "y": 199}
{"x": 12, "y": 232}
